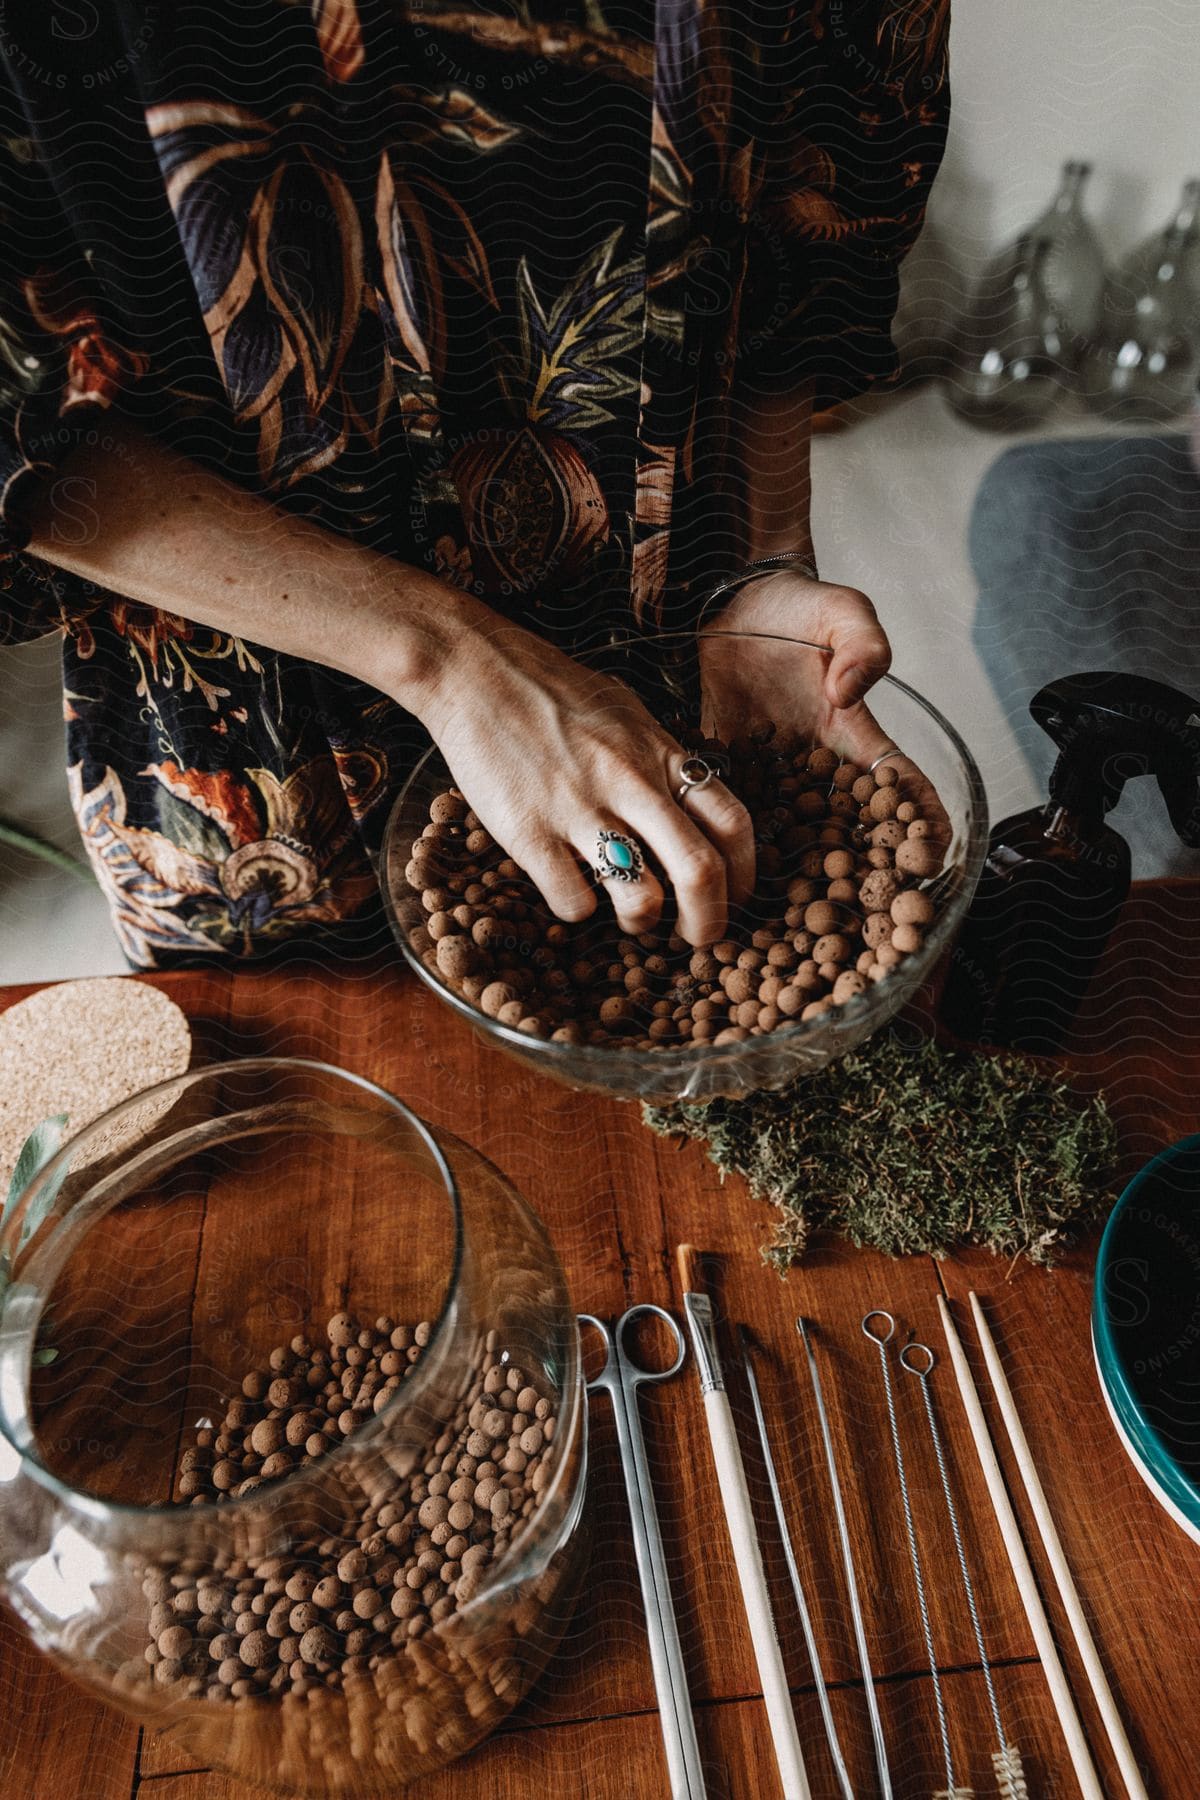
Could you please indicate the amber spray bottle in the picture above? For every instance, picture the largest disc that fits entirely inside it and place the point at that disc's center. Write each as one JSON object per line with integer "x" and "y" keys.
{"x": 1055, "y": 877}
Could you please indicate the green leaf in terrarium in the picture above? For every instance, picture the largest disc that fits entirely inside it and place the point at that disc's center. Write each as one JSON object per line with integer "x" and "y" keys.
{"x": 43, "y": 1142}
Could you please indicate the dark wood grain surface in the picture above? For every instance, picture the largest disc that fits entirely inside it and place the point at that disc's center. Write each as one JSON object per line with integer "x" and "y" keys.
{"x": 617, "y": 1200}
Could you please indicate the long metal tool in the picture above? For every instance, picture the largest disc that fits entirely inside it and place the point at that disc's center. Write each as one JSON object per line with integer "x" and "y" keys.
{"x": 806, "y": 1626}
{"x": 881, "y": 1340}
{"x": 620, "y": 1379}
{"x": 843, "y": 1529}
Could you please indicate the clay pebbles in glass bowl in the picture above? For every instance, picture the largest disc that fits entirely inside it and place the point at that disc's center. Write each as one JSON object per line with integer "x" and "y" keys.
{"x": 862, "y": 880}
{"x": 302, "y": 1482}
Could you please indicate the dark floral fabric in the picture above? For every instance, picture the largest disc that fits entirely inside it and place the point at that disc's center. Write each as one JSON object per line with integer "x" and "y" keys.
{"x": 470, "y": 284}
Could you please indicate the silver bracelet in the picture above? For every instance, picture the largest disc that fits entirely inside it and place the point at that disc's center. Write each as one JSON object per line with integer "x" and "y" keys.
{"x": 754, "y": 571}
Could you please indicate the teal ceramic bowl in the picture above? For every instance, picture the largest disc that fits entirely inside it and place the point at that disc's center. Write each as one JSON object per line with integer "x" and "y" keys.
{"x": 1146, "y": 1326}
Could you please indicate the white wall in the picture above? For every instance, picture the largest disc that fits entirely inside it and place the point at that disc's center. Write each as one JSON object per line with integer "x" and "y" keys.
{"x": 1116, "y": 82}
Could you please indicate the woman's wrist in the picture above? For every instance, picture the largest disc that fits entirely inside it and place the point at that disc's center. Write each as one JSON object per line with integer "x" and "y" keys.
{"x": 419, "y": 638}
{"x": 783, "y": 562}
{"x": 774, "y": 431}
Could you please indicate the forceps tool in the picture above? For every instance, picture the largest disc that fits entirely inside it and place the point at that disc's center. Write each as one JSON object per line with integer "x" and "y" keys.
{"x": 620, "y": 1379}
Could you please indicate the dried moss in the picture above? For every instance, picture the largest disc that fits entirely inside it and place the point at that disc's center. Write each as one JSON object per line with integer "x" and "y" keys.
{"x": 909, "y": 1148}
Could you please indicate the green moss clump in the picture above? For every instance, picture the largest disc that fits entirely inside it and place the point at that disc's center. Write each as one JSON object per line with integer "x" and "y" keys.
{"x": 911, "y": 1149}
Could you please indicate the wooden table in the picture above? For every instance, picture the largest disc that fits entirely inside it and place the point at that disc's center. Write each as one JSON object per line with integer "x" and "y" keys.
{"x": 617, "y": 1200}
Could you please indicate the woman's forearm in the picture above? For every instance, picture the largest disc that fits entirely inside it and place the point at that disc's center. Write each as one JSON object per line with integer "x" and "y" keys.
{"x": 158, "y": 528}
{"x": 775, "y": 431}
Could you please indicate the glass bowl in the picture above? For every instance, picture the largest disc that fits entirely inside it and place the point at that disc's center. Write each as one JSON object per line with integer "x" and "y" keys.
{"x": 671, "y": 672}
{"x": 192, "y": 1245}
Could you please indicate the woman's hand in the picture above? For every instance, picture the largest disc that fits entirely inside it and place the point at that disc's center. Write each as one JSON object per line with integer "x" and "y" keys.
{"x": 747, "y": 684}
{"x": 820, "y": 698}
{"x": 549, "y": 753}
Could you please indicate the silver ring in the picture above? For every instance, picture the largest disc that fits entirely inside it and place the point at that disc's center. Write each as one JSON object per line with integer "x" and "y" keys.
{"x": 694, "y": 774}
{"x": 892, "y": 750}
{"x": 618, "y": 857}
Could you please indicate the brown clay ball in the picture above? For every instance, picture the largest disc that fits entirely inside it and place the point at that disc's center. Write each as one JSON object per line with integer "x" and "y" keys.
{"x": 878, "y": 890}
{"x": 457, "y": 957}
{"x": 448, "y": 808}
{"x": 495, "y": 996}
{"x": 912, "y": 907}
{"x": 739, "y": 985}
{"x": 267, "y": 1437}
{"x": 316, "y": 1644}
{"x": 918, "y": 857}
{"x": 838, "y": 864}
{"x": 877, "y": 928}
{"x": 821, "y": 918}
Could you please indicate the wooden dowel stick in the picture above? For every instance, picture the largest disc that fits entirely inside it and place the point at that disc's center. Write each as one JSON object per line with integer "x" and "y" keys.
{"x": 1085, "y": 1643}
{"x": 731, "y": 1478}
{"x": 1031, "y": 1600}
{"x": 739, "y": 1517}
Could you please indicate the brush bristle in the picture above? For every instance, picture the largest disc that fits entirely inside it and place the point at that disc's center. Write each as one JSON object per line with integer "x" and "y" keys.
{"x": 1010, "y": 1775}
{"x": 955, "y": 1793}
{"x": 690, "y": 1273}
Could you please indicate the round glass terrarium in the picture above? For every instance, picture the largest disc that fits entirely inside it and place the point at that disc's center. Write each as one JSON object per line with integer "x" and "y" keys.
{"x": 674, "y": 674}
{"x": 169, "y": 1274}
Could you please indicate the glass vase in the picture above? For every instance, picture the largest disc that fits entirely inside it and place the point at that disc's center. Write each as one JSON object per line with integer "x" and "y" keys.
{"x": 1073, "y": 270}
{"x": 1143, "y": 362}
{"x": 1010, "y": 352}
{"x": 171, "y": 1273}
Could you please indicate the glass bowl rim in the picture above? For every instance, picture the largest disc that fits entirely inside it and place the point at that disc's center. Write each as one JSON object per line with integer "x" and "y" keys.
{"x": 529, "y": 1552}
{"x": 599, "y": 1057}
{"x": 177, "y": 1085}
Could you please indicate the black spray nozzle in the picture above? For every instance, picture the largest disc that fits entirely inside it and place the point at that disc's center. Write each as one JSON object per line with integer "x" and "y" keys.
{"x": 1111, "y": 727}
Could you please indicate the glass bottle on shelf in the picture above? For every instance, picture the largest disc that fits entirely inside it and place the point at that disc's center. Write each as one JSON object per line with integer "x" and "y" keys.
{"x": 1143, "y": 362}
{"x": 1007, "y": 354}
{"x": 1032, "y": 316}
{"x": 1187, "y": 221}
{"x": 1073, "y": 273}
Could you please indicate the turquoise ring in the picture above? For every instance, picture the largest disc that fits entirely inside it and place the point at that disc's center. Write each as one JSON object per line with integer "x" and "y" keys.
{"x": 618, "y": 857}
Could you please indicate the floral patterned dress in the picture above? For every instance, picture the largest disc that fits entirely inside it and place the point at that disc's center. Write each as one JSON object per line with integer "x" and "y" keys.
{"x": 467, "y": 283}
